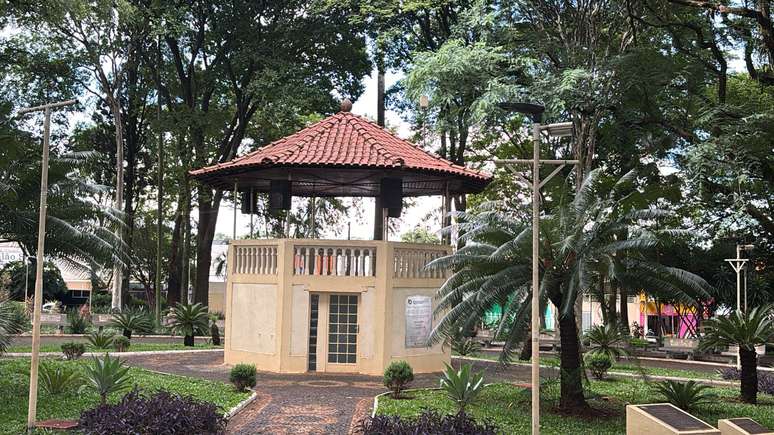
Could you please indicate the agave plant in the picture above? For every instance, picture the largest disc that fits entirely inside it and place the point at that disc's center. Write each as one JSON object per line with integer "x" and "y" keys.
{"x": 684, "y": 395}
{"x": 579, "y": 239}
{"x": 462, "y": 386}
{"x": 11, "y": 323}
{"x": 106, "y": 376}
{"x": 746, "y": 330}
{"x": 189, "y": 321}
{"x": 132, "y": 321}
{"x": 607, "y": 339}
{"x": 58, "y": 378}
{"x": 101, "y": 339}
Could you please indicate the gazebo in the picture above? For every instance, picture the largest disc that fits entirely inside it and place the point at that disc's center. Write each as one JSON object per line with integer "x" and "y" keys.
{"x": 298, "y": 305}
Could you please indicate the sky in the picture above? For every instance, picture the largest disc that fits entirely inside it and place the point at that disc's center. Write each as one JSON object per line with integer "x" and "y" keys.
{"x": 361, "y": 220}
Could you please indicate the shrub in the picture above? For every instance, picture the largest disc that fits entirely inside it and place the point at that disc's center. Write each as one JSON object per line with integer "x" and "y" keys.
{"x": 58, "y": 378}
{"x": 76, "y": 323}
{"x": 466, "y": 347}
{"x": 243, "y": 376}
{"x": 598, "y": 364}
{"x": 765, "y": 379}
{"x": 215, "y": 332}
{"x": 101, "y": 339}
{"x": 396, "y": 376}
{"x": 73, "y": 350}
{"x": 462, "y": 386}
{"x": 158, "y": 413}
{"x": 427, "y": 423}
{"x": 132, "y": 321}
{"x": 121, "y": 343}
{"x": 106, "y": 376}
{"x": 10, "y": 323}
{"x": 684, "y": 395}
{"x": 607, "y": 339}
{"x": 189, "y": 321}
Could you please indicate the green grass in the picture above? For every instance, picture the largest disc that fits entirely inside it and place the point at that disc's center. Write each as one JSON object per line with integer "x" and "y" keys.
{"x": 508, "y": 407}
{"x": 134, "y": 347}
{"x": 628, "y": 367}
{"x": 14, "y": 387}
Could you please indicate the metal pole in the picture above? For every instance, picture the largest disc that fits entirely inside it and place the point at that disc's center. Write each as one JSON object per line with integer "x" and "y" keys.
{"x": 252, "y": 209}
{"x": 26, "y": 278}
{"x": 738, "y": 303}
{"x": 535, "y": 280}
{"x": 32, "y": 404}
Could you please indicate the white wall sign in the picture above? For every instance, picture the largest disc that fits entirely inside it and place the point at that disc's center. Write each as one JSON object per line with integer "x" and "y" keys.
{"x": 419, "y": 320}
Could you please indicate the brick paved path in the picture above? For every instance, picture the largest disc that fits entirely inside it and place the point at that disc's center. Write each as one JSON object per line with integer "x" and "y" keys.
{"x": 318, "y": 403}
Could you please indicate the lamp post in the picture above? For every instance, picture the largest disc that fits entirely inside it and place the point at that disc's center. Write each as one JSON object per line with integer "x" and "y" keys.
{"x": 535, "y": 112}
{"x": 739, "y": 264}
{"x": 32, "y": 406}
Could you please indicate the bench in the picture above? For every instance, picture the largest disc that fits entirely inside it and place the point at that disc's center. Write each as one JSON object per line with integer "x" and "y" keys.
{"x": 680, "y": 346}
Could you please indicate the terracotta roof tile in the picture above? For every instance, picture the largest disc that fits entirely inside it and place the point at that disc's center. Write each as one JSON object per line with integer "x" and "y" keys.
{"x": 345, "y": 139}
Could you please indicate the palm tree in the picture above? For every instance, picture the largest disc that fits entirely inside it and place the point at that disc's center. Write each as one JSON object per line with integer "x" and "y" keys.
{"x": 189, "y": 321}
{"x": 12, "y": 322}
{"x": 745, "y": 330}
{"x": 608, "y": 340}
{"x": 580, "y": 235}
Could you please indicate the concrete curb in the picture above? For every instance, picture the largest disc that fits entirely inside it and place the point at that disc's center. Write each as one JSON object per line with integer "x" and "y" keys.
{"x": 114, "y": 353}
{"x": 240, "y": 406}
{"x": 716, "y": 382}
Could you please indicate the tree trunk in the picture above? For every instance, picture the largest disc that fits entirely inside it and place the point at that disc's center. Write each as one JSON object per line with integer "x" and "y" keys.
{"x": 128, "y": 333}
{"x": 188, "y": 340}
{"x": 612, "y": 316}
{"x": 749, "y": 375}
{"x": 526, "y": 348}
{"x": 173, "y": 280}
{"x": 208, "y": 215}
{"x": 624, "y": 311}
{"x": 571, "y": 371}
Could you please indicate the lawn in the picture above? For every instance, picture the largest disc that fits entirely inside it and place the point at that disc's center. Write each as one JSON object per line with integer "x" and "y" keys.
{"x": 508, "y": 407}
{"x": 626, "y": 367}
{"x": 14, "y": 387}
{"x": 134, "y": 347}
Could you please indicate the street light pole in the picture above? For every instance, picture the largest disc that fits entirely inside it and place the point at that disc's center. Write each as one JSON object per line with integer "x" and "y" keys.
{"x": 739, "y": 264}
{"x": 33, "y": 394}
{"x": 556, "y": 130}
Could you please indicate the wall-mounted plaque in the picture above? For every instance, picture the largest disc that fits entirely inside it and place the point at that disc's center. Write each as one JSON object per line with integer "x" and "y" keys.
{"x": 419, "y": 320}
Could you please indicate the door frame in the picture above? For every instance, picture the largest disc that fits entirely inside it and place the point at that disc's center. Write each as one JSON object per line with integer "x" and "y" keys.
{"x": 323, "y": 330}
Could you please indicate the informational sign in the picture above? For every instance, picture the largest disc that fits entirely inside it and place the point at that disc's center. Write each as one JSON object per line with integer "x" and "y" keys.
{"x": 419, "y": 320}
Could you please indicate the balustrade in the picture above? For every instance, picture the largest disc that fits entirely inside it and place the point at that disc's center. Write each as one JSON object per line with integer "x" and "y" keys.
{"x": 411, "y": 262}
{"x": 334, "y": 260}
{"x": 255, "y": 260}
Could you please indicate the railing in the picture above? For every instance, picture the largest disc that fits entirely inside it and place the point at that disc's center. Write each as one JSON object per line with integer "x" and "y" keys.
{"x": 255, "y": 260}
{"x": 334, "y": 260}
{"x": 411, "y": 262}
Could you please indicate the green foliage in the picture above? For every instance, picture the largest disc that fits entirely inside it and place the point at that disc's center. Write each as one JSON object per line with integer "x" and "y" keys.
{"x": 106, "y": 376}
{"x": 121, "y": 343}
{"x": 189, "y": 321}
{"x": 607, "y": 339}
{"x": 54, "y": 287}
{"x": 462, "y": 386}
{"x": 466, "y": 346}
{"x": 101, "y": 339}
{"x": 73, "y": 350}
{"x": 419, "y": 235}
{"x": 684, "y": 395}
{"x": 396, "y": 376}
{"x": 598, "y": 363}
{"x": 10, "y": 323}
{"x": 57, "y": 378}
{"x": 746, "y": 330}
{"x": 101, "y": 302}
{"x": 214, "y": 332}
{"x": 77, "y": 323}
{"x": 130, "y": 321}
{"x": 243, "y": 376}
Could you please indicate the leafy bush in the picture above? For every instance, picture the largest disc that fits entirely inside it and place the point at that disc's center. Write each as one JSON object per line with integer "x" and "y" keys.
{"x": 10, "y": 323}
{"x": 462, "y": 342}
{"x": 121, "y": 343}
{"x": 243, "y": 376}
{"x": 765, "y": 379}
{"x": 396, "y": 376}
{"x": 76, "y": 323}
{"x": 132, "y": 321}
{"x": 58, "y": 378}
{"x": 189, "y": 321}
{"x": 101, "y": 339}
{"x": 106, "y": 376}
{"x": 598, "y": 364}
{"x": 427, "y": 423}
{"x": 607, "y": 339}
{"x": 73, "y": 350}
{"x": 215, "y": 332}
{"x": 638, "y": 342}
{"x": 101, "y": 302}
{"x": 462, "y": 386}
{"x": 159, "y": 413}
{"x": 684, "y": 395}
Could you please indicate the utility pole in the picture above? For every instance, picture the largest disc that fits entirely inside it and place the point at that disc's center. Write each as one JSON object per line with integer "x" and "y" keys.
{"x": 556, "y": 130}
{"x": 32, "y": 407}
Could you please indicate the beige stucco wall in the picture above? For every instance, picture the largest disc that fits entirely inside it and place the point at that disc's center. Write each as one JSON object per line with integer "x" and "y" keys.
{"x": 267, "y": 315}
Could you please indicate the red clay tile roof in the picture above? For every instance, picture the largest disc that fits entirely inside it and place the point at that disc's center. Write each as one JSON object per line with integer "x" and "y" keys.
{"x": 344, "y": 140}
